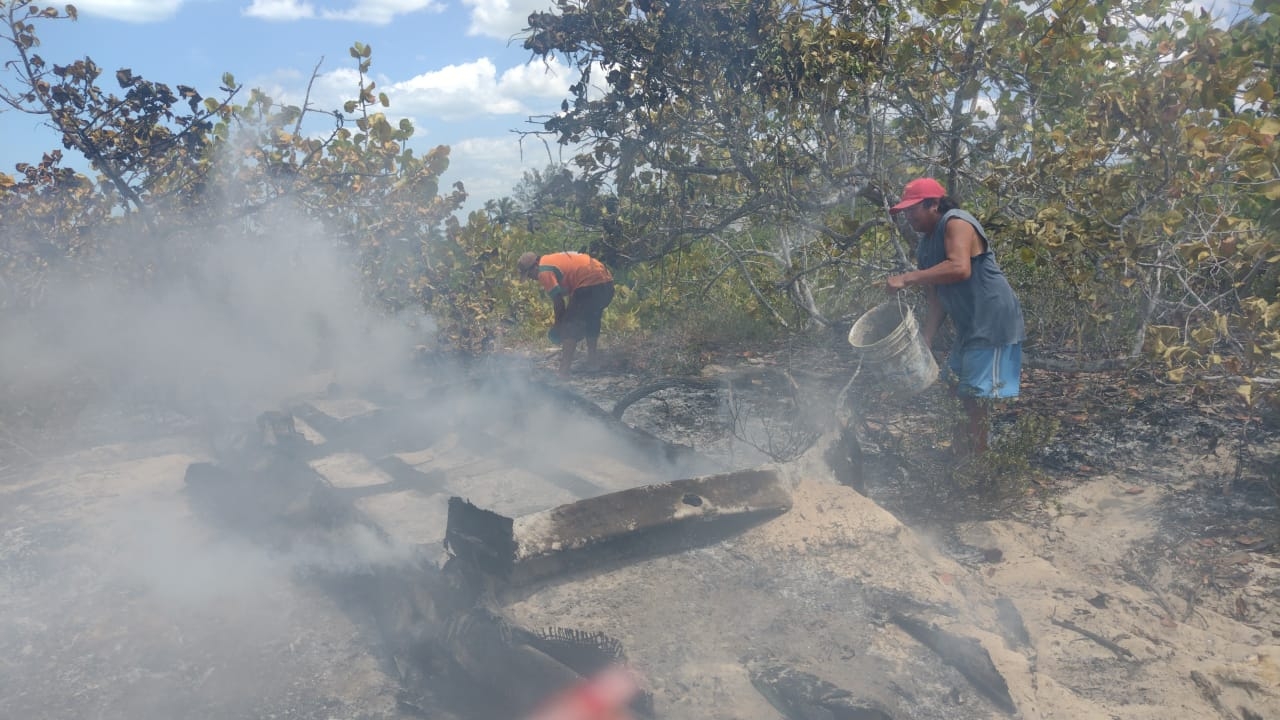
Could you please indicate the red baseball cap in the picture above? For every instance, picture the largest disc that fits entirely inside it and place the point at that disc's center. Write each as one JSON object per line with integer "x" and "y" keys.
{"x": 917, "y": 190}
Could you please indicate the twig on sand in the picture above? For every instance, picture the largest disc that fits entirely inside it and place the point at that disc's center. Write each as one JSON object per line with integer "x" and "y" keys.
{"x": 1210, "y": 692}
{"x": 1093, "y": 636}
{"x": 1143, "y": 581}
{"x": 1192, "y": 595}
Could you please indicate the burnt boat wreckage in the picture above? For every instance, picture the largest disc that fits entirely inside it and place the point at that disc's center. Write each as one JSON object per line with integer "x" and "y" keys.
{"x": 499, "y": 540}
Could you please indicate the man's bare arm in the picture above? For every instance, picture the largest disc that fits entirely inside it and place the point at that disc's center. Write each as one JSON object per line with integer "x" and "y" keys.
{"x": 961, "y": 241}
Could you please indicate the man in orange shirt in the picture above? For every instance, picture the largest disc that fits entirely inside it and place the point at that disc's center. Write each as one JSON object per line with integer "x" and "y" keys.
{"x": 580, "y": 288}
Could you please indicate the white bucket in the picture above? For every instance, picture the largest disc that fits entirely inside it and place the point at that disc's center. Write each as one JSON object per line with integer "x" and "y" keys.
{"x": 889, "y": 342}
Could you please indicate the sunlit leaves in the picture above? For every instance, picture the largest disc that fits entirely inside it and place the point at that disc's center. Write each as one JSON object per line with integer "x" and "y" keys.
{"x": 1246, "y": 392}
{"x": 1125, "y": 151}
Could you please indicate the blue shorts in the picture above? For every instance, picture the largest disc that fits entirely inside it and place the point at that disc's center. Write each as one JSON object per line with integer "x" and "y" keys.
{"x": 986, "y": 372}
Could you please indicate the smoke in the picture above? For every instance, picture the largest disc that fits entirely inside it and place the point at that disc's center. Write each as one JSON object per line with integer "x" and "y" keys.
{"x": 189, "y": 565}
{"x": 106, "y": 573}
{"x": 153, "y": 607}
{"x": 236, "y": 326}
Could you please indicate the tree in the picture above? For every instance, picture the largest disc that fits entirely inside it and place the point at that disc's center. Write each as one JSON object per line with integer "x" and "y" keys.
{"x": 178, "y": 168}
{"x": 1089, "y": 135}
{"x": 716, "y": 123}
{"x": 147, "y": 148}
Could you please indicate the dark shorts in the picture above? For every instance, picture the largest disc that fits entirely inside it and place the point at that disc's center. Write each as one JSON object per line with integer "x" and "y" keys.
{"x": 987, "y": 372}
{"x": 585, "y": 310}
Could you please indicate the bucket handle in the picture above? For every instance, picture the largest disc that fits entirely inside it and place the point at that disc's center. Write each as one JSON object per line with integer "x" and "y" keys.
{"x": 903, "y": 307}
{"x": 902, "y": 304}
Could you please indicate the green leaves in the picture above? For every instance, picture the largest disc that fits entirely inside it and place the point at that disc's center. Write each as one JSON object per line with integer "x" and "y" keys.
{"x": 752, "y": 146}
{"x": 1119, "y": 155}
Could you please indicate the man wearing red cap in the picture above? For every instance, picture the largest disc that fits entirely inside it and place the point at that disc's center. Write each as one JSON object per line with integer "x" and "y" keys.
{"x": 963, "y": 281}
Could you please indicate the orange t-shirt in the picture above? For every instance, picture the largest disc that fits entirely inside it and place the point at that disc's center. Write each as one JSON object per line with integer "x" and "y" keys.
{"x": 562, "y": 273}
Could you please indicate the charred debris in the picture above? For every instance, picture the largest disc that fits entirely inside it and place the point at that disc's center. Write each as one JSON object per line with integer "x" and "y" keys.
{"x": 358, "y": 480}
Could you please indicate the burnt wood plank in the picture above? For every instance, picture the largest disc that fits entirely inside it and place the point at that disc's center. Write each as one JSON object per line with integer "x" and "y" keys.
{"x": 799, "y": 695}
{"x": 493, "y": 653}
{"x": 662, "y": 517}
{"x": 964, "y": 654}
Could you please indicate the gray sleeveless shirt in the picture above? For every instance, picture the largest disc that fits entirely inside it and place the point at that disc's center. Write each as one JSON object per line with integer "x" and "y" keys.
{"x": 983, "y": 308}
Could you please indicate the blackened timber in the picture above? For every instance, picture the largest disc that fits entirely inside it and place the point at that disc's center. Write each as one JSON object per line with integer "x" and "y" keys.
{"x": 1011, "y": 625}
{"x": 651, "y": 519}
{"x": 479, "y": 537}
{"x": 495, "y": 655}
{"x": 588, "y": 653}
{"x": 527, "y": 668}
{"x": 964, "y": 654}
{"x": 599, "y": 519}
{"x": 799, "y": 695}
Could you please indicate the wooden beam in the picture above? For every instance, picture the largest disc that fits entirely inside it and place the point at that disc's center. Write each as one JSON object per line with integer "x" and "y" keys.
{"x": 647, "y": 520}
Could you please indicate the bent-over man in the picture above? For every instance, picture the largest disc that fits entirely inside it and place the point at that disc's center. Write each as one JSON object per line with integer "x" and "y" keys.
{"x": 580, "y": 288}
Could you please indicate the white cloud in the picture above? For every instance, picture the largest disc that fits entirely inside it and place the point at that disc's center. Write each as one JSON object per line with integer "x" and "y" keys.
{"x": 490, "y": 167}
{"x": 502, "y": 19}
{"x": 374, "y": 12}
{"x": 329, "y": 91}
{"x": 537, "y": 79}
{"x": 332, "y": 89}
{"x": 280, "y": 10}
{"x": 458, "y": 92}
{"x": 474, "y": 94}
{"x": 452, "y": 93}
{"x": 380, "y": 12}
{"x": 130, "y": 10}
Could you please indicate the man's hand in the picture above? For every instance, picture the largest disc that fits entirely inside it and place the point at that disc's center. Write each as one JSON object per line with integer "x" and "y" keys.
{"x": 895, "y": 284}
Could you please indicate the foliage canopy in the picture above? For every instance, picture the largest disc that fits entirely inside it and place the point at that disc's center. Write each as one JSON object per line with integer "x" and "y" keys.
{"x": 1123, "y": 152}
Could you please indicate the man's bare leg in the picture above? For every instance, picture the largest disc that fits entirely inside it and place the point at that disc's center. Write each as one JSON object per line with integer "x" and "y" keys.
{"x": 593, "y": 358}
{"x": 975, "y": 410}
{"x": 567, "y": 348}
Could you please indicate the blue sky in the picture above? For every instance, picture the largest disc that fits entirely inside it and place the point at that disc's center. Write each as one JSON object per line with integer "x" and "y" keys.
{"x": 452, "y": 66}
